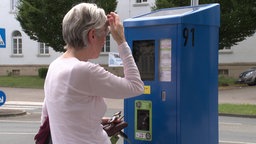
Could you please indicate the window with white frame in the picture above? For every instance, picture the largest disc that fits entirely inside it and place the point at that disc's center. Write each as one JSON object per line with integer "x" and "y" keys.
{"x": 141, "y": 1}
{"x": 107, "y": 45}
{"x": 16, "y": 43}
{"x": 13, "y": 5}
{"x": 43, "y": 49}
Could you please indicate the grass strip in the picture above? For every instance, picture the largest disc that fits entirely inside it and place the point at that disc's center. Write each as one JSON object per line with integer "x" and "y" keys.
{"x": 238, "y": 109}
{"x": 21, "y": 81}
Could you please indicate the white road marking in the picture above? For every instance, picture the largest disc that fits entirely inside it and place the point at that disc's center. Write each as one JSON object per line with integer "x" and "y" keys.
{"x": 16, "y": 133}
{"x": 234, "y": 142}
{"x": 225, "y": 123}
{"x": 23, "y": 103}
{"x": 15, "y": 121}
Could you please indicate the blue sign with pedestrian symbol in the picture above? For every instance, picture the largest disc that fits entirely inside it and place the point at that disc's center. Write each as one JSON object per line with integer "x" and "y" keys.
{"x": 2, "y": 98}
{"x": 2, "y": 38}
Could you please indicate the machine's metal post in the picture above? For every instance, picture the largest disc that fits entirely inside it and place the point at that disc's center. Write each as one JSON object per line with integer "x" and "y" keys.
{"x": 194, "y": 2}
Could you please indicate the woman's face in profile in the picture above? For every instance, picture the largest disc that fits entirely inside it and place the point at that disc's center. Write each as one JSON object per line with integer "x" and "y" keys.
{"x": 100, "y": 40}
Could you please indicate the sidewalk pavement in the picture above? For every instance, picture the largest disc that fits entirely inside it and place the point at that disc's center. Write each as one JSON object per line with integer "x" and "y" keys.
{"x": 35, "y": 97}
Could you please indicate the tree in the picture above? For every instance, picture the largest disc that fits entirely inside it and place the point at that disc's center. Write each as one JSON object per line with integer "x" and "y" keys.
{"x": 238, "y": 18}
{"x": 41, "y": 20}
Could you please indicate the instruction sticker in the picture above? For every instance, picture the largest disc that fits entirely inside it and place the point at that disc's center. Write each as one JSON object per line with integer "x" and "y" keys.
{"x": 165, "y": 61}
{"x": 147, "y": 90}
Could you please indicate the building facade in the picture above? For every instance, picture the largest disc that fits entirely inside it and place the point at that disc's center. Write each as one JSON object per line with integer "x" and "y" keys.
{"x": 19, "y": 55}
{"x": 239, "y": 58}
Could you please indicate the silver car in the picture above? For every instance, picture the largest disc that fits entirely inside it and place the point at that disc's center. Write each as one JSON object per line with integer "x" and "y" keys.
{"x": 248, "y": 77}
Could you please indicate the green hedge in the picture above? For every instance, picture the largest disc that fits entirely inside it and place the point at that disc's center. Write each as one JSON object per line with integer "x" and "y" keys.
{"x": 42, "y": 72}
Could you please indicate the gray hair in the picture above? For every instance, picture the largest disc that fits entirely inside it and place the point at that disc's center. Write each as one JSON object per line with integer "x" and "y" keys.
{"x": 79, "y": 21}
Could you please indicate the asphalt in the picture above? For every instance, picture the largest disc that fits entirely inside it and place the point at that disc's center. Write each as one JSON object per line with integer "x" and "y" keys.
{"x": 16, "y": 96}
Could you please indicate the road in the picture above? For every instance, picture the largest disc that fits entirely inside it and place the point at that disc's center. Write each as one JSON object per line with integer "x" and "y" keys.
{"x": 21, "y": 129}
{"x": 235, "y": 130}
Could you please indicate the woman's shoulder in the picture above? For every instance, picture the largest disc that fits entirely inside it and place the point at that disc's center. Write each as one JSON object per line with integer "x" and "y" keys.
{"x": 82, "y": 66}
{"x": 85, "y": 64}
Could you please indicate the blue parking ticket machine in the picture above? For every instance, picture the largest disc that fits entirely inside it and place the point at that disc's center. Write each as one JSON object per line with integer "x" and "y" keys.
{"x": 176, "y": 51}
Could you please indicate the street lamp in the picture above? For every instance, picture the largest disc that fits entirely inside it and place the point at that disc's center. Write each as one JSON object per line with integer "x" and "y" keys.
{"x": 194, "y": 2}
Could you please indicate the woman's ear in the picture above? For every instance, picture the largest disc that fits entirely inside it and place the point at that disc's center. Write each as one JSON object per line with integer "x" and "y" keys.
{"x": 91, "y": 35}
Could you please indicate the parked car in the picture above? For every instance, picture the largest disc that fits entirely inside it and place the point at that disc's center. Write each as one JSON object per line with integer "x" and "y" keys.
{"x": 248, "y": 77}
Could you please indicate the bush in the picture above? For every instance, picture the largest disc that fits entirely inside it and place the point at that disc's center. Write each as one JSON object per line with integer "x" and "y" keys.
{"x": 226, "y": 81}
{"x": 42, "y": 72}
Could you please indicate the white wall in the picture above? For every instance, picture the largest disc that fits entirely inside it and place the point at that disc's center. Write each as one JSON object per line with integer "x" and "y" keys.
{"x": 125, "y": 8}
{"x": 244, "y": 52}
{"x": 30, "y": 48}
{"x": 128, "y": 8}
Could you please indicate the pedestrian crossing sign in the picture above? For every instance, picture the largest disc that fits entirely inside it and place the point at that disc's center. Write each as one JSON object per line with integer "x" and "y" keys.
{"x": 2, "y": 38}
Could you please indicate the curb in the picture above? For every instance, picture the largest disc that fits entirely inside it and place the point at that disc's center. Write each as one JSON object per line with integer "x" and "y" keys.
{"x": 237, "y": 115}
{"x": 15, "y": 112}
{"x": 11, "y": 112}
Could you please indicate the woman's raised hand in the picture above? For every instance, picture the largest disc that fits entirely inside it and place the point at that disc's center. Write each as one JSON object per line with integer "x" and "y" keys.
{"x": 116, "y": 28}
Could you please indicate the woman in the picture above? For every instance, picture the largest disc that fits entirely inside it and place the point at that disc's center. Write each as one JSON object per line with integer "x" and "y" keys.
{"x": 75, "y": 88}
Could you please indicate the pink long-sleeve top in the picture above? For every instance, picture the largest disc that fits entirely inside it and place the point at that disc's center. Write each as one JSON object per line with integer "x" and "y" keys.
{"x": 74, "y": 97}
